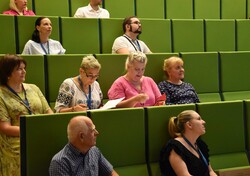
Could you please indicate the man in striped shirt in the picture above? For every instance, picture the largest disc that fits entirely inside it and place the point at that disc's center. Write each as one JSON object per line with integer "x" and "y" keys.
{"x": 80, "y": 156}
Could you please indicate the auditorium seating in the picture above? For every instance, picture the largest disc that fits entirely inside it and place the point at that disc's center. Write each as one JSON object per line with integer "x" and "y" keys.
{"x": 188, "y": 35}
{"x": 242, "y": 37}
{"x": 86, "y": 36}
{"x": 131, "y": 138}
{"x": 122, "y": 139}
{"x": 220, "y": 35}
{"x": 204, "y": 9}
{"x": 224, "y": 133}
{"x": 161, "y": 40}
{"x": 247, "y": 127}
{"x": 113, "y": 66}
{"x": 51, "y": 8}
{"x": 233, "y": 9}
{"x": 35, "y": 71}
{"x": 120, "y": 8}
{"x": 110, "y": 30}
{"x": 234, "y": 75}
{"x": 156, "y": 7}
{"x": 80, "y": 36}
{"x": 202, "y": 71}
{"x": 179, "y": 9}
{"x": 7, "y": 34}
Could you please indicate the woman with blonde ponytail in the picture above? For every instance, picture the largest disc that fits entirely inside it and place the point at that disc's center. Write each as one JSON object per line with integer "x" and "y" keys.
{"x": 186, "y": 154}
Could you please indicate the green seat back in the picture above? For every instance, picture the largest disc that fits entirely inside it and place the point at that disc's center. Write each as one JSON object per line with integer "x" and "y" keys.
{"x": 52, "y": 8}
{"x": 156, "y": 125}
{"x": 233, "y": 9}
{"x": 224, "y": 133}
{"x": 161, "y": 42}
{"x": 122, "y": 130}
{"x": 42, "y": 136}
{"x": 110, "y": 29}
{"x": 247, "y": 127}
{"x": 156, "y": 9}
{"x": 188, "y": 35}
{"x": 75, "y": 4}
{"x": 242, "y": 37}
{"x": 220, "y": 35}
{"x": 35, "y": 71}
{"x": 204, "y": 9}
{"x": 234, "y": 73}
{"x": 61, "y": 67}
{"x": 80, "y": 35}
{"x": 179, "y": 9}
{"x": 202, "y": 71}
{"x": 4, "y": 5}
{"x": 7, "y": 34}
{"x": 120, "y": 8}
{"x": 154, "y": 68}
{"x": 107, "y": 74}
{"x": 26, "y": 26}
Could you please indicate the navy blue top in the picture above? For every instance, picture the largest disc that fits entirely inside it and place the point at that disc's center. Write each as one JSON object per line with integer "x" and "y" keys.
{"x": 196, "y": 166}
{"x": 178, "y": 94}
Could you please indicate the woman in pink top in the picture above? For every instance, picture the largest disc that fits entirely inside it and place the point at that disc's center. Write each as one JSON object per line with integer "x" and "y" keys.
{"x": 19, "y": 7}
{"x": 138, "y": 90}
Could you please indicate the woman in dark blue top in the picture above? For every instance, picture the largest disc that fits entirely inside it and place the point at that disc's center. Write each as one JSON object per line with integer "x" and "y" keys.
{"x": 177, "y": 91}
{"x": 186, "y": 153}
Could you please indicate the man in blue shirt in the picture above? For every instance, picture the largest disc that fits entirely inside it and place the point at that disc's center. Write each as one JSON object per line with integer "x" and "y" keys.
{"x": 80, "y": 156}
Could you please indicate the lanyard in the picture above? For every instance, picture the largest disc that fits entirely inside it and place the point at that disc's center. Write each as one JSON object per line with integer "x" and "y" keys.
{"x": 25, "y": 101}
{"x": 199, "y": 151}
{"x": 44, "y": 48}
{"x": 87, "y": 97}
{"x": 133, "y": 43}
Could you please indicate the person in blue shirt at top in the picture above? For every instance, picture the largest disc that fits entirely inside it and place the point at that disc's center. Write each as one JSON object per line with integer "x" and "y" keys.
{"x": 176, "y": 90}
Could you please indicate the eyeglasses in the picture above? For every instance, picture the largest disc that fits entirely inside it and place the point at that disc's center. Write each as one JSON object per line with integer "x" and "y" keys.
{"x": 136, "y": 22}
{"x": 92, "y": 76}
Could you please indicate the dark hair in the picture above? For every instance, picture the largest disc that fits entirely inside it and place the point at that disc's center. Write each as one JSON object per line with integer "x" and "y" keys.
{"x": 35, "y": 35}
{"x": 126, "y": 21}
{"x": 7, "y": 65}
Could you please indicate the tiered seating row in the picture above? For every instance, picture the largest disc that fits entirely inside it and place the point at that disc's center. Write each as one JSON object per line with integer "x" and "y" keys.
{"x": 163, "y": 9}
{"x": 215, "y": 76}
{"x": 131, "y": 139}
{"x": 82, "y": 36}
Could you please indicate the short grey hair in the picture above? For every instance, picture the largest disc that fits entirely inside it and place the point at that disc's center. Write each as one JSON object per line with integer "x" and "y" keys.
{"x": 90, "y": 62}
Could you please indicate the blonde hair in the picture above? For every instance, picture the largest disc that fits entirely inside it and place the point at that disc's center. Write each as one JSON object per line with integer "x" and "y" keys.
{"x": 135, "y": 56}
{"x": 14, "y": 7}
{"x": 168, "y": 63}
{"x": 90, "y": 62}
{"x": 176, "y": 124}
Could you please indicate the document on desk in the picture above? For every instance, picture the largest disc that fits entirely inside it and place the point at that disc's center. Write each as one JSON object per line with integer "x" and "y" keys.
{"x": 111, "y": 104}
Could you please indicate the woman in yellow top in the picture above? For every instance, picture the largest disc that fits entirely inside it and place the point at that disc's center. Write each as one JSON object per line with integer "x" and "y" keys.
{"x": 16, "y": 99}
